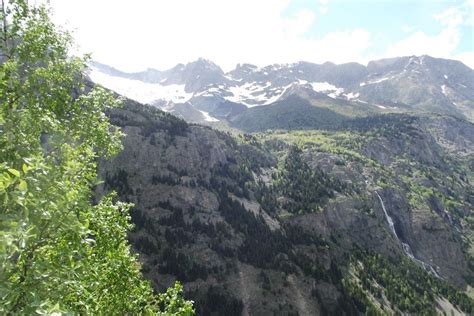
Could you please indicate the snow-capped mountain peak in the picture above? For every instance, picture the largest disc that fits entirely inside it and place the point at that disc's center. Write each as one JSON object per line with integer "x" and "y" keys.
{"x": 416, "y": 83}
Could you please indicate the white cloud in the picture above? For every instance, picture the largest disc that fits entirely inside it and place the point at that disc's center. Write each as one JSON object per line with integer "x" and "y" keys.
{"x": 160, "y": 34}
{"x": 341, "y": 46}
{"x": 323, "y": 9}
{"x": 299, "y": 23}
{"x": 452, "y": 17}
{"x": 467, "y": 58}
{"x": 468, "y": 9}
{"x": 462, "y": 14}
{"x": 445, "y": 43}
{"x": 406, "y": 29}
{"x": 419, "y": 43}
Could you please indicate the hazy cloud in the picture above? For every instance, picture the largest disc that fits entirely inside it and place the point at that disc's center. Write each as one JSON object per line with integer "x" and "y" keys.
{"x": 159, "y": 34}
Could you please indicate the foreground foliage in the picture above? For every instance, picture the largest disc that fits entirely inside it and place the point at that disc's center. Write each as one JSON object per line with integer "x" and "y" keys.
{"x": 59, "y": 252}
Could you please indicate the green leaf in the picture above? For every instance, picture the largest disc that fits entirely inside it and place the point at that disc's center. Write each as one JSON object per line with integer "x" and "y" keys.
{"x": 14, "y": 172}
{"x": 22, "y": 186}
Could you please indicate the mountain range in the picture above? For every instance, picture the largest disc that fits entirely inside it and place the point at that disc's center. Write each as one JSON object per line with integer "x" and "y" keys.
{"x": 201, "y": 92}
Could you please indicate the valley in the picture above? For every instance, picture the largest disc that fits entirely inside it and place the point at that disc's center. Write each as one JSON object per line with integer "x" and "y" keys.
{"x": 342, "y": 187}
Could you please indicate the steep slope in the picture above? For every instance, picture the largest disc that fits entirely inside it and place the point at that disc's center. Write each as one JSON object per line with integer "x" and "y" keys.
{"x": 290, "y": 113}
{"x": 404, "y": 163}
{"x": 280, "y": 223}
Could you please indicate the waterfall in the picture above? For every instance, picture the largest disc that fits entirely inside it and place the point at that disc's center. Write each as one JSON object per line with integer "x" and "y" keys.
{"x": 389, "y": 219}
{"x": 406, "y": 247}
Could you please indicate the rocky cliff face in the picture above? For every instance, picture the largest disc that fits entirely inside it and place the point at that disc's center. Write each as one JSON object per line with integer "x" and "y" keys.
{"x": 268, "y": 224}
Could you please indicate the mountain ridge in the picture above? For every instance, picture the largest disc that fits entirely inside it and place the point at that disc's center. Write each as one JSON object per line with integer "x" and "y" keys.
{"x": 372, "y": 63}
{"x": 402, "y": 84}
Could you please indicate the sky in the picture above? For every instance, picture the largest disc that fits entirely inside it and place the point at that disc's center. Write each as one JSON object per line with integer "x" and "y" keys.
{"x": 140, "y": 34}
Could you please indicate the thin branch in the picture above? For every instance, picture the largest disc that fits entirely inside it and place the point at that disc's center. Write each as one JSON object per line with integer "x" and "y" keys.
{"x": 5, "y": 28}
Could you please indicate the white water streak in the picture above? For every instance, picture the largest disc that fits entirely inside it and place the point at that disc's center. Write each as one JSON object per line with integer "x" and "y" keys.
{"x": 406, "y": 247}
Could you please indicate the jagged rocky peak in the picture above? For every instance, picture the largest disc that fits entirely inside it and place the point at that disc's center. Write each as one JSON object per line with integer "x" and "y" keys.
{"x": 177, "y": 68}
{"x": 204, "y": 65}
{"x": 387, "y": 64}
{"x": 246, "y": 67}
{"x": 242, "y": 70}
{"x": 304, "y": 67}
{"x": 302, "y": 90}
{"x": 149, "y": 75}
{"x": 328, "y": 64}
{"x": 196, "y": 75}
{"x": 417, "y": 63}
{"x": 106, "y": 69}
{"x": 279, "y": 66}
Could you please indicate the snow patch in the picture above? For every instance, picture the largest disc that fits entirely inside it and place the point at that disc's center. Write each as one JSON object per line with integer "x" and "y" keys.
{"x": 229, "y": 77}
{"x": 376, "y": 81}
{"x": 279, "y": 93}
{"x": 443, "y": 89}
{"x": 167, "y": 107}
{"x": 352, "y": 95}
{"x": 207, "y": 117}
{"x": 323, "y": 86}
{"x": 445, "y": 76}
{"x": 140, "y": 91}
{"x": 416, "y": 60}
{"x": 252, "y": 94}
{"x": 209, "y": 92}
{"x": 327, "y": 87}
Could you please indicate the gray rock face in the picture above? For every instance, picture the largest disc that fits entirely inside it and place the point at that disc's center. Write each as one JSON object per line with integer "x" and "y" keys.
{"x": 195, "y": 75}
{"x": 421, "y": 83}
{"x": 432, "y": 238}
